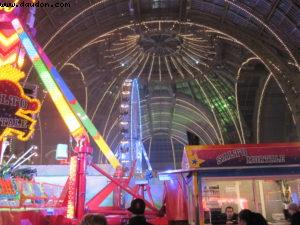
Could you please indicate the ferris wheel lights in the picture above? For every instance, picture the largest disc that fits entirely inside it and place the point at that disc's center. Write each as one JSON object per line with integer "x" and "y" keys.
{"x": 125, "y": 92}
{"x": 124, "y": 123}
{"x": 127, "y": 82}
{"x": 124, "y": 106}
{"x": 124, "y": 142}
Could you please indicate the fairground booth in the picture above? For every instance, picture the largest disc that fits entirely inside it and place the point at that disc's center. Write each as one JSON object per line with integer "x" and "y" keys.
{"x": 263, "y": 178}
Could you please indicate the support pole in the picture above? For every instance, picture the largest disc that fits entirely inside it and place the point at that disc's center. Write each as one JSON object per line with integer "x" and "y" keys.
{"x": 83, "y": 150}
{"x": 197, "y": 186}
{"x": 238, "y": 195}
{"x": 77, "y": 179}
{"x": 262, "y": 198}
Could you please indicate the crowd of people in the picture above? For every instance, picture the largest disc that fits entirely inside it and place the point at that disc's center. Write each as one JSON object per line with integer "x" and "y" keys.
{"x": 245, "y": 217}
{"x": 137, "y": 208}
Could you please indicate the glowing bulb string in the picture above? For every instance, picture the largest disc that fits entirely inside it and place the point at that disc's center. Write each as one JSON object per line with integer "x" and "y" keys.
{"x": 191, "y": 121}
{"x": 143, "y": 67}
{"x": 201, "y": 114}
{"x": 267, "y": 66}
{"x": 168, "y": 67}
{"x": 133, "y": 62}
{"x": 84, "y": 84}
{"x": 117, "y": 52}
{"x": 110, "y": 112}
{"x": 229, "y": 110}
{"x": 269, "y": 29}
{"x": 151, "y": 67}
{"x": 236, "y": 93}
{"x": 127, "y": 55}
{"x": 261, "y": 97}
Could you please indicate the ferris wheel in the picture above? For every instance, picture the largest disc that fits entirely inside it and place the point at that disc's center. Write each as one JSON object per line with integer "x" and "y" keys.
{"x": 131, "y": 150}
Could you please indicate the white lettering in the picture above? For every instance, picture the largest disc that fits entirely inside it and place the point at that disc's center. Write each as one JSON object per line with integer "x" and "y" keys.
{"x": 236, "y": 153}
{"x": 265, "y": 159}
{"x": 14, "y": 101}
{"x": 13, "y": 123}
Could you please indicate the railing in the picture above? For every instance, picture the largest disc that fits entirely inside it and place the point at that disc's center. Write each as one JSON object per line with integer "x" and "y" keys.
{"x": 19, "y": 193}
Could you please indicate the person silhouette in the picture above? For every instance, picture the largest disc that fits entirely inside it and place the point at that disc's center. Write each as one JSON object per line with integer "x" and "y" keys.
{"x": 93, "y": 219}
{"x": 137, "y": 209}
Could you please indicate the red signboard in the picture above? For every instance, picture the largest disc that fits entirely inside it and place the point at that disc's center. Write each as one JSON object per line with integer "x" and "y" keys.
{"x": 204, "y": 156}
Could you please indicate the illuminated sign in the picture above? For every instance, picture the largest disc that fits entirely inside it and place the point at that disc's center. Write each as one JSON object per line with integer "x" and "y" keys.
{"x": 10, "y": 51}
{"x": 16, "y": 107}
{"x": 238, "y": 155}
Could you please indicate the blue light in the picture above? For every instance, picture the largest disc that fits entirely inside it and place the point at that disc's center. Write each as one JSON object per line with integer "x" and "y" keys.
{"x": 61, "y": 83}
{"x": 23, "y": 36}
{"x": 164, "y": 177}
{"x": 29, "y": 47}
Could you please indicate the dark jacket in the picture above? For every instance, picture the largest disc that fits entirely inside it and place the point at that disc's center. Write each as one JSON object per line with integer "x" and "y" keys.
{"x": 234, "y": 219}
{"x": 295, "y": 219}
{"x": 222, "y": 219}
{"x": 138, "y": 220}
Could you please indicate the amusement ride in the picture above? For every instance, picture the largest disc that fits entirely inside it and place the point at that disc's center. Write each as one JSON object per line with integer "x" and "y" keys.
{"x": 127, "y": 162}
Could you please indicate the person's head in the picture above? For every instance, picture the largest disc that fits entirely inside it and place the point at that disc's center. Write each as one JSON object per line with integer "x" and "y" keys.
{"x": 137, "y": 206}
{"x": 247, "y": 217}
{"x": 229, "y": 212}
{"x": 293, "y": 208}
{"x": 93, "y": 219}
{"x": 259, "y": 219}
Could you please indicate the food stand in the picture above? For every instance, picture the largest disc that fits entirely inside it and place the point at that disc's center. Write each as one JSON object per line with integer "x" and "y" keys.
{"x": 263, "y": 178}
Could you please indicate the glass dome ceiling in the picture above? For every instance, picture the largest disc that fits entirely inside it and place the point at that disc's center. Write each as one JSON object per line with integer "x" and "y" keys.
{"x": 214, "y": 68}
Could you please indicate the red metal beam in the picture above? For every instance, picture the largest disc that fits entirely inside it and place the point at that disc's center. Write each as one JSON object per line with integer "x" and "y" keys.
{"x": 128, "y": 190}
{"x": 63, "y": 198}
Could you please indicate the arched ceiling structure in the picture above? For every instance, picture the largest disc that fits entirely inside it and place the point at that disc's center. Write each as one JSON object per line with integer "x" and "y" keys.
{"x": 204, "y": 65}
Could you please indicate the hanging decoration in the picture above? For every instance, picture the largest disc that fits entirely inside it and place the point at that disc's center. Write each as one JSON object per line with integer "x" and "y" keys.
{"x": 11, "y": 51}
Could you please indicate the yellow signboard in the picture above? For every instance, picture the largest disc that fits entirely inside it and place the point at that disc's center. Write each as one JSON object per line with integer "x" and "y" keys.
{"x": 16, "y": 109}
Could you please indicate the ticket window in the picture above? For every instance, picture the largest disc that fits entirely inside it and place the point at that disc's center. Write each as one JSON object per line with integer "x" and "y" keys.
{"x": 264, "y": 196}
